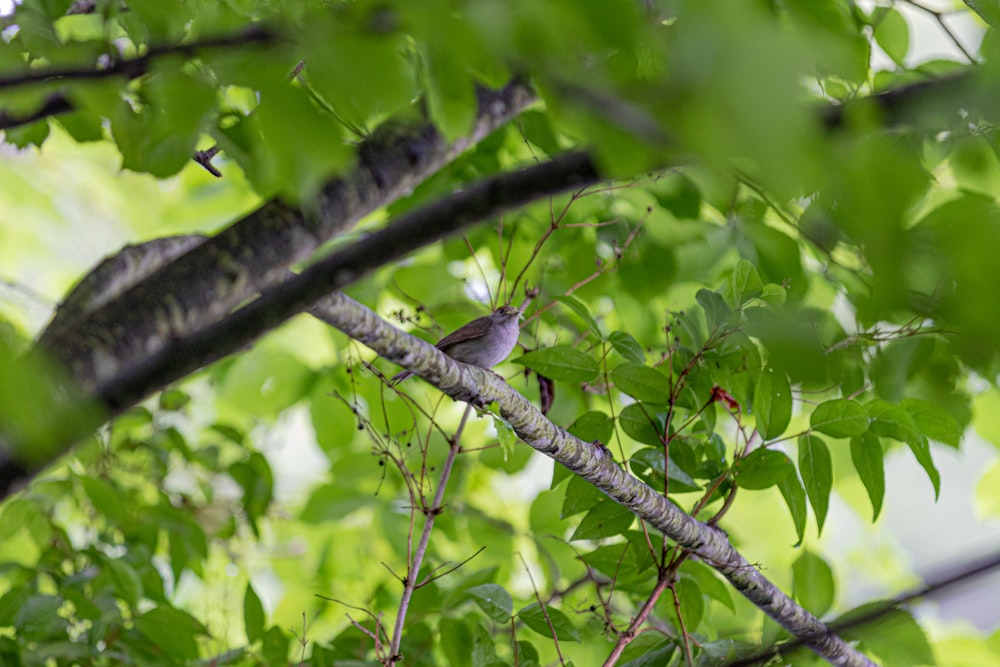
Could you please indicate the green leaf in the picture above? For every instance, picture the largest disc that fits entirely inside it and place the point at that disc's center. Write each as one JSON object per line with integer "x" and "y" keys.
{"x": 647, "y": 271}
{"x": 561, "y": 363}
{"x": 162, "y": 135}
{"x": 649, "y": 650}
{"x": 605, "y": 519}
{"x": 812, "y": 583}
{"x": 775, "y": 255}
{"x": 933, "y": 421}
{"x": 922, "y": 451}
{"x": 816, "y": 468}
{"x": 254, "y": 476}
{"x": 38, "y": 619}
{"x": 895, "y": 422}
{"x": 840, "y": 418}
{"x": 795, "y": 497}
{"x": 265, "y": 381}
{"x": 253, "y": 615}
{"x": 608, "y": 559}
{"x": 638, "y": 426}
{"x": 581, "y": 495}
{"x": 988, "y": 10}
{"x": 895, "y": 638}
{"x": 716, "y": 311}
{"x": 494, "y": 600}
{"x": 678, "y": 194}
{"x": 772, "y": 403}
{"x": 592, "y": 426}
{"x": 743, "y": 284}
{"x": 538, "y": 129}
{"x": 627, "y": 346}
{"x": 274, "y": 646}
{"x": 642, "y": 383}
{"x": 581, "y": 310}
{"x": 126, "y": 581}
{"x": 709, "y": 582}
{"x": 331, "y": 502}
{"x": 761, "y": 469}
{"x": 105, "y": 498}
{"x": 508, "y": 439}
{"x": 12, "y": 602}
{"x": 891, "y": 421}
{"x": 774, "y": 294}
{"x": 680, "y": 481}
{"x": 974, "y": 165}
{"x": 691, "y": 603}
{"x": 535, "y": 618}
{"x": 176, "y": 632}
{"x": 450, "y": 91}
{"x": 892, "y": 33}
{"x": 157, "y": 20}
{"x": 456, "y": 639}
{"x": 173, "y": 399}
{"x": 322, "y": 657}
{"x": 331, "y": 49}
{"x": 32, "y": 134}
{"x": 867, "y": 455}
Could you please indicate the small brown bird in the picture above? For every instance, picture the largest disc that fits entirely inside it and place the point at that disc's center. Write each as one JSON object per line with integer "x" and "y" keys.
{"x": 483, "y": 342}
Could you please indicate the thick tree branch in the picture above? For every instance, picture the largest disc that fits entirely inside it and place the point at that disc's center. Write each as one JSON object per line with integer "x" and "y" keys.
{"x": 592, "y": 462}
{"x": 115, "y": 275}
{"x": 204, "y": 285}
{"x": 177, "y": 357}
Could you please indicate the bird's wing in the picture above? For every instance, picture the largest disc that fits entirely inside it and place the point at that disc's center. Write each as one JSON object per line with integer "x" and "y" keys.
{"x": 474, "y": 329}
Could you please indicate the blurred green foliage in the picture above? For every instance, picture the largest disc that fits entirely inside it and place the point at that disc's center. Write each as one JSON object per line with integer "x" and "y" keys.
{"x": 757, "y": 307}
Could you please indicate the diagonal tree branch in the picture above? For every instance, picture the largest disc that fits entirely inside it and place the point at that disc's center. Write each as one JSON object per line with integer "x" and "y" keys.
{"x": 590, "y": 461}
{"x": 431, "y": 223}
{"x": 177, "y": 357}
{"x": 205, "y": 284}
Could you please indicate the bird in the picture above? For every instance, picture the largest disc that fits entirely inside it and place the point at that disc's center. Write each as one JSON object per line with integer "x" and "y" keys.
{"x": 483, "y": 342}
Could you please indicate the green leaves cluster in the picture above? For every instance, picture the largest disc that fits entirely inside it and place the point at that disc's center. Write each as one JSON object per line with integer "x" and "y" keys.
{"x": 77, "y": 596}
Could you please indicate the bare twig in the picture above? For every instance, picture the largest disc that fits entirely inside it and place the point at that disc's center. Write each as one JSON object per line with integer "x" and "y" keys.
{"x": 410, "y": 581}
{"x": 545, "y": 612}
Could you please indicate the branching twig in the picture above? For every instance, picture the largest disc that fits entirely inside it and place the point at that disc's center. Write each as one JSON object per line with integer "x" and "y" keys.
{"x": 626, "y": 637}
{"x": 939, "y": 17}
{"x": 413, "y": 571}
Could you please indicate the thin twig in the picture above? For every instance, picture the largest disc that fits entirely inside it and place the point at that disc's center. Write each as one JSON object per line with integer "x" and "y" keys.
{"x": 434, "y": 577}
{"x": 626, "y": 637}
{"x": 545, "y": 612}
{"x": 410, "y": 582}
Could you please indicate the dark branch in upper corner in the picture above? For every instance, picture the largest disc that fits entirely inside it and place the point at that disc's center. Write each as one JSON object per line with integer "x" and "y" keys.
{"x": 134, "y": 67}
